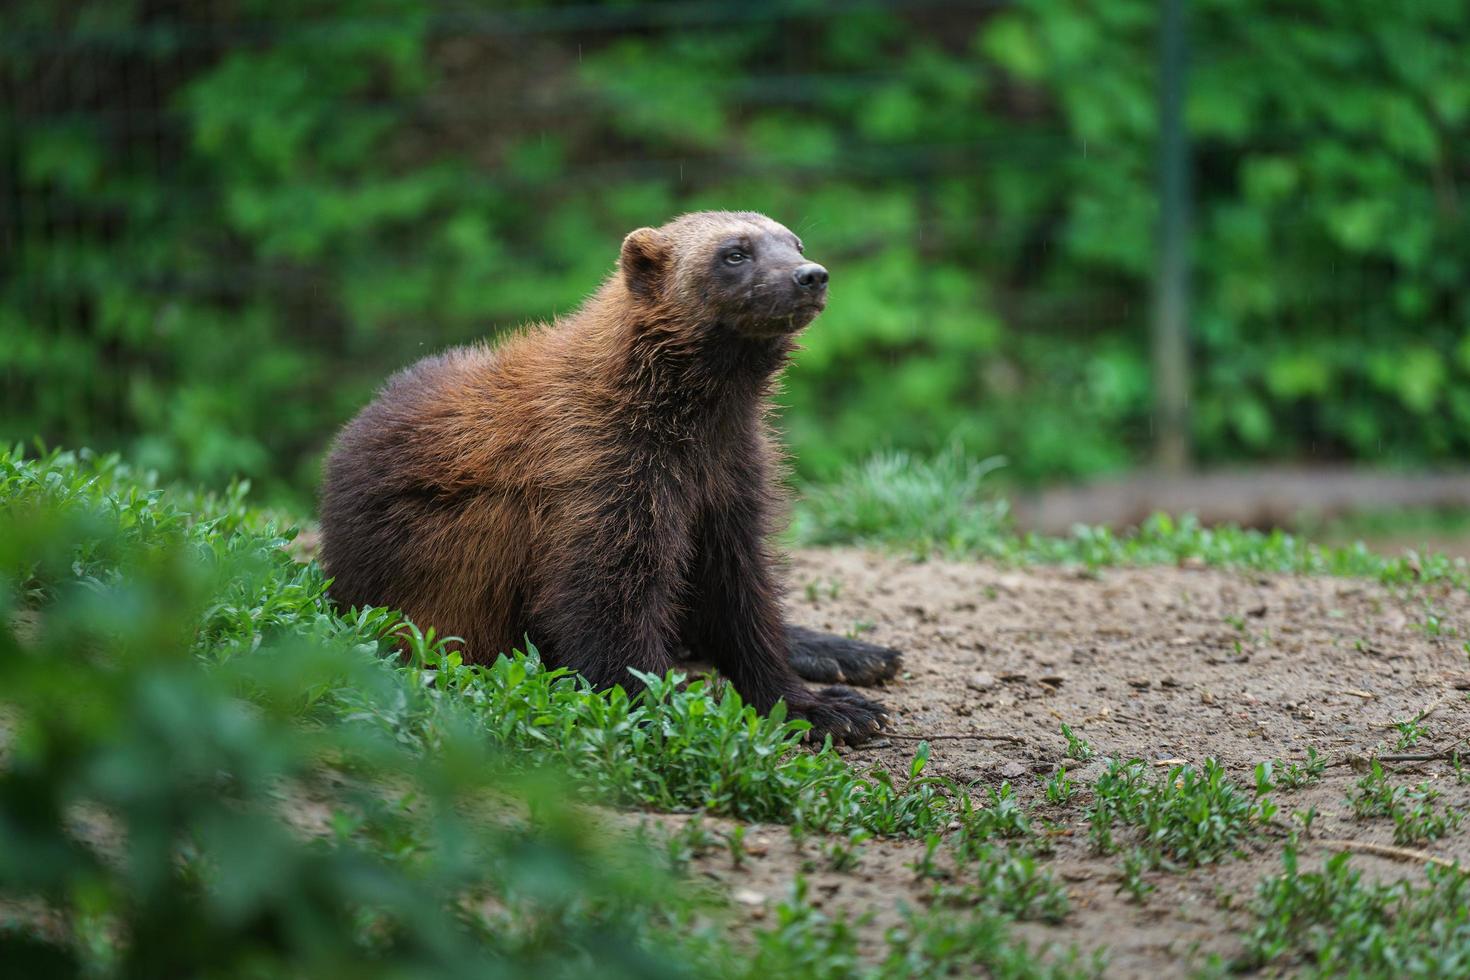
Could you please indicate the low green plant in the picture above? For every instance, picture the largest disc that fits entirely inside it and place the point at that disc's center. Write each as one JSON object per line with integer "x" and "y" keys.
{"x": 1059, "y": 788}
{"x": 1433, "y": 625}
{"x": 1373, "y": 796}
{"x": 1005, "y": 881}
{"x": 675, "y": 746}
{"x": 188, "y": 788}
{"x": 845, "y": 853}
{"x": 1333, "y": 922}
{"x": 1410, "y": 732}
{"x": 1136, "y": 864}
{"x": 231, "y": 774}
{"x": 1264, "y": 781}
{"x": 817, "y": 589}
{"x": 1294, "y": 775}
{"x": 1421, "y": 821}
{"x": 1005, "y": 818}
{"x": 1077, "y": 747}
{"x": 803, "y": 941}
{"x": 1412, "y": 809}
{"x": 927, "y": 944}
{"x": 927, "y": 865}
{"x": 692, "y": 841}
{"x": 806, "y": 942}
{"x": 1184, "y": 817}
{"x": 735, "y": 843}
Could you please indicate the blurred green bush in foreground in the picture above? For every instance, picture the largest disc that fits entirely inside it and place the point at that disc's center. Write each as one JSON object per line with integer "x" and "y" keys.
{"x": 227, "y": 229}
{"x": 203, "y": 772}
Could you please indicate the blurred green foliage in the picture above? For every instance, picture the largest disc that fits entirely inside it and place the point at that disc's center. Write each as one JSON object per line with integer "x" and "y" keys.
{"x": 192, "y": 783}
{"x": 227, "y": 229}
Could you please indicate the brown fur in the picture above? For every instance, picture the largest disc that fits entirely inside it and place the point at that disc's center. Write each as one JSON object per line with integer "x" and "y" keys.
{"x": 603, "y": 484}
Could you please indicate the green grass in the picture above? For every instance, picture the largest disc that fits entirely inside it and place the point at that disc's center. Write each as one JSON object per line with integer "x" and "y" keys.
{"x": 1077, "y": 747}
{"x": 805, "y": 942}
{"x": 943, "y": 507}
{"x": 905, "y": 501}
{"x": 1429, "y": 522}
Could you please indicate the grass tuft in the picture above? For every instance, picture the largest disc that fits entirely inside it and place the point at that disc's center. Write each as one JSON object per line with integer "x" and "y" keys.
{"x": 896, "y": 499}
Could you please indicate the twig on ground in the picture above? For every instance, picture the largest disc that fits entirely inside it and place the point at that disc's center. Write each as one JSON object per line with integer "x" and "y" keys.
{"x": 1385, "y": 850}
{"x": 1416, "y": 757}
{"x": 1417, "y": 718}
{"x": 1443, "y": 753}
{"x": 981, "y": 736}
{"x": 1362, "y": 761}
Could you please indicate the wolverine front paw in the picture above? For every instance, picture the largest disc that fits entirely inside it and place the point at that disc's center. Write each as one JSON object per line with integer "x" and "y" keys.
{"x": 827, "y": 658}
{"x": 840, "y": 712}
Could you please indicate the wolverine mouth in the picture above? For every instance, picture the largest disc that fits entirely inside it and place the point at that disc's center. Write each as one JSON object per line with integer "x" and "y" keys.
{"x": 813, "y": 306}
{"x": 798, "y": 317}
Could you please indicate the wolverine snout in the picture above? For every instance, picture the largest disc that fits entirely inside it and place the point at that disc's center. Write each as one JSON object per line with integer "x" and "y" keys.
{"x": 810, "y": 276}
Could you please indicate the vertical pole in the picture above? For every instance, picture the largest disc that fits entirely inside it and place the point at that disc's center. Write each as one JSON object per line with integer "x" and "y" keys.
{"x": 1171, "y": 299}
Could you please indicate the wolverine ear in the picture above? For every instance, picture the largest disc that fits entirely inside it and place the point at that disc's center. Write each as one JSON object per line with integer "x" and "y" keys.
{"x": 645, "y": 254}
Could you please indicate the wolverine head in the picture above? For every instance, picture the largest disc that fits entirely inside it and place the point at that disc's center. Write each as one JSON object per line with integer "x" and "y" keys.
{"x": 737, "y": 269}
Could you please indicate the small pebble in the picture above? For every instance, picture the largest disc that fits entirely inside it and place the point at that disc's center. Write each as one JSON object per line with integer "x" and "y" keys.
{"x": 980, "y": 682}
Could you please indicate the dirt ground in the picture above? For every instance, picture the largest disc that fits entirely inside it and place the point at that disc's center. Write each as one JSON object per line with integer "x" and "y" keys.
{"x": 1155, "y": 663}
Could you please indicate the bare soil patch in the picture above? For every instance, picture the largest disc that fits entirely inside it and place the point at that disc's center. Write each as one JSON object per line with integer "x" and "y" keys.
{"x": 1155, "y": 663}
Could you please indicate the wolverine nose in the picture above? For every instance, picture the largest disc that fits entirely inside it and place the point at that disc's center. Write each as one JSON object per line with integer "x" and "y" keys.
{"x": 810, "y": 276}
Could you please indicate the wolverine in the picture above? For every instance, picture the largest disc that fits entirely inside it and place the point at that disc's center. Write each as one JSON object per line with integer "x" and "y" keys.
{"x": 606, "y": 485}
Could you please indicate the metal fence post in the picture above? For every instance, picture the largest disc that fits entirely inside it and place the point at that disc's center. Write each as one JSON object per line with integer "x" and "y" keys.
{"x": 1171, "y": 290}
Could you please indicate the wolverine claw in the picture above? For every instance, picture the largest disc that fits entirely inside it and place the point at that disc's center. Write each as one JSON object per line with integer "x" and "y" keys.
{"x": 848, "y": 717}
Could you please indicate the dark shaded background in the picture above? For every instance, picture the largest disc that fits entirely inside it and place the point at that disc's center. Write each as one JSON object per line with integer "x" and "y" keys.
{"x": 224, "y": 222}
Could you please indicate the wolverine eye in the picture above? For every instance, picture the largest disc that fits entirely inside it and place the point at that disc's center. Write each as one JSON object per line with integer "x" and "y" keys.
{"x": 735, "y": 257}
{"x": 800, "y": 248}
